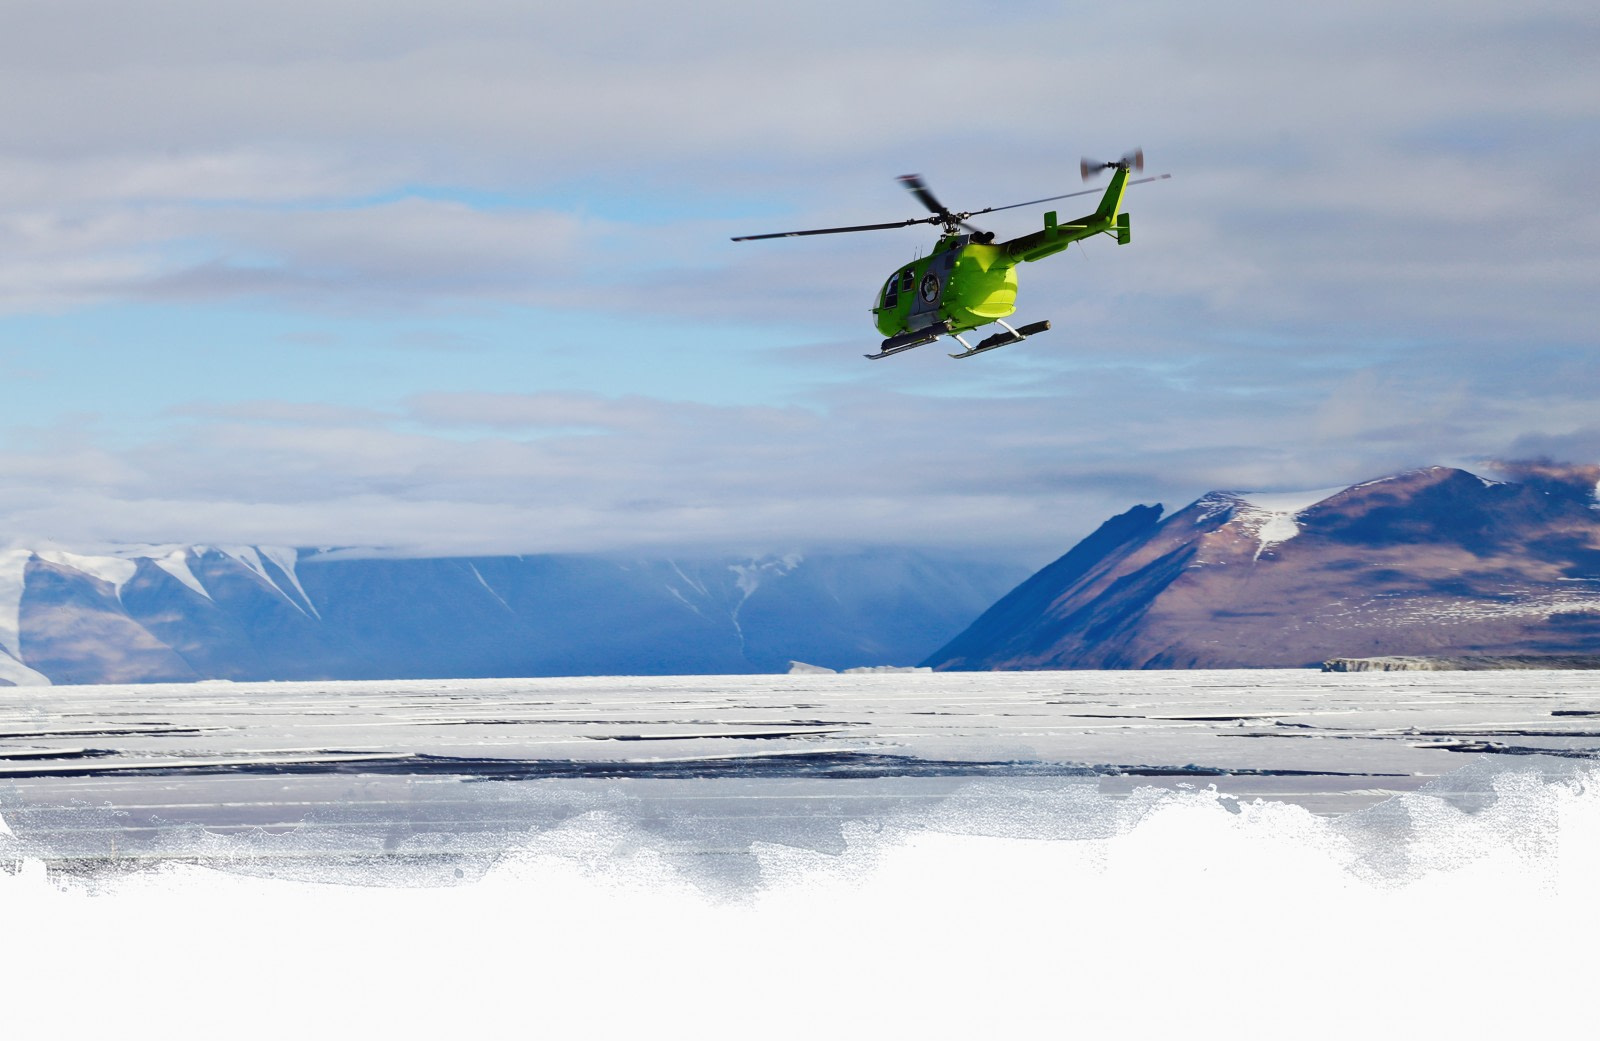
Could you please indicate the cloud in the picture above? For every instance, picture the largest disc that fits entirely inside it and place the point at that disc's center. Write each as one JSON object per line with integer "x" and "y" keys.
{"x": 1583, "y": 478}
{"x": 1326, "y": 172}
{"x": 505, "y": 472}
{"x": 1580, "y": 440}
{"x": 1377, "y": 251}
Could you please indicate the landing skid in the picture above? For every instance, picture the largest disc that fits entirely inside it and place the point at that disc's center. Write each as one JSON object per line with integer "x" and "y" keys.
{"x": 906, "y": 341}
{"x": 1000, "y": 339}
{"x": 896, "y": 350}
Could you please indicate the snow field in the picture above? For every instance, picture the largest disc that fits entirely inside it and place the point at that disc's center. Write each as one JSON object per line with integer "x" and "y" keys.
{"x": 1201, "y": 919}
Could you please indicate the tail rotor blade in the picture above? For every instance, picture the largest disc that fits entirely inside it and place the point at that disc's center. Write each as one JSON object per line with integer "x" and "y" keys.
{"x": 1133, "y": 160}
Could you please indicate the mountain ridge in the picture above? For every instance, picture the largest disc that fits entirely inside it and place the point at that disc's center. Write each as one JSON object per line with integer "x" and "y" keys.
{"x": 1434, "y": 561}
{"x": 181, "y": 613}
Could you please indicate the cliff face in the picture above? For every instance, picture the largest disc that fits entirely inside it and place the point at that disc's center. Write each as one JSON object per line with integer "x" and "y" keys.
{"x": 173, "y": 614}
{"x": 1028, "y": 623}
{"x": 1433, "y": 562}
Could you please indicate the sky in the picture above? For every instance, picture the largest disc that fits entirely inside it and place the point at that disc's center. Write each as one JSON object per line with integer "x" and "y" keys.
{"x": 457, "y": 277}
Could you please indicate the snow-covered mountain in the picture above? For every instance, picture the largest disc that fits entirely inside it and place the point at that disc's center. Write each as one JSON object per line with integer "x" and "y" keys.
{"x": 1434, "y": 562}
{"x": 176, "y": 613}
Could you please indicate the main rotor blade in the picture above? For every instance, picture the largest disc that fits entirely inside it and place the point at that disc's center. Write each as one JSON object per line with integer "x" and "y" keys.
{"x": 915, "y": 185}
{"x": 1069, "y": 195}
{"x": 836, "y": 231}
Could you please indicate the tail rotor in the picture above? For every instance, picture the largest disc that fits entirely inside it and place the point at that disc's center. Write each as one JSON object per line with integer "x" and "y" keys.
{"x": 1090, "y": 168}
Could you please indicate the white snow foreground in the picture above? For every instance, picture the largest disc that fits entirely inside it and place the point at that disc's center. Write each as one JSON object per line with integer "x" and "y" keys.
{"x": 1013, "y": 934}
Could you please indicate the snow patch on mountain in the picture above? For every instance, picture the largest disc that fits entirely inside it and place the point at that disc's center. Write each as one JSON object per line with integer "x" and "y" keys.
{"x": 17, "y": 674}
{"x": 1288, "y": 502}
{"x": 13, "y": 571}
{"x": 1213, "y": 505}
{"x": 247, "y": 556}
{"x": 1271, "y": 515}
{"x": 176, "y": 564}
{"x": 678, "y": 595}
{"x": 1385, "y": 611}
{"x": 748, "y": 579}
{"x": 283, "y": 558}
{"x": 749, "y": 575}
{"x": 696, "y": 586}
{"x": 13, "y": 566}
{"x": 482, "y": 582}
{"x": 119, "y": 563}
{"x": 1268, "y": 517}
{"x": 114, "y": 571}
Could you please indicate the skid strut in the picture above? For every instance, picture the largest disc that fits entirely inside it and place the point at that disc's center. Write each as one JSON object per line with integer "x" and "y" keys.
{"x": 1010, "y": 335}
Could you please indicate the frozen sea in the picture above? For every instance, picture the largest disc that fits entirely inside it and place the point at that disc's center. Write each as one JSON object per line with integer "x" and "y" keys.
{"x": 872, "y": 854}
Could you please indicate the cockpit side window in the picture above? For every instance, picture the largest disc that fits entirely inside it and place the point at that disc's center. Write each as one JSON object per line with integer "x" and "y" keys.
{"x": 890, "y": 295}
{"x": 907, "y": 280}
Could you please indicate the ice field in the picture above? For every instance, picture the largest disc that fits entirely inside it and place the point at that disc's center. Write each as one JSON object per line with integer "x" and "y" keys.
{"x": 1274, "y": 853}
{"x": 399, "y": 775}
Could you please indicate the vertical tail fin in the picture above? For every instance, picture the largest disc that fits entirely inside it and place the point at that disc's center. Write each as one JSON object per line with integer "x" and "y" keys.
{"x": 1111, "y": 201}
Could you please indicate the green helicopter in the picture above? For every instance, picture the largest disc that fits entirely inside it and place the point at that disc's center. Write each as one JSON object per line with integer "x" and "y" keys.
{"x": 969, "y": 280}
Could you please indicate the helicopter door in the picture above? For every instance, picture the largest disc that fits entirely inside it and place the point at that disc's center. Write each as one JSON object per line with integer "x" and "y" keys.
{"x": 930, "y": 290}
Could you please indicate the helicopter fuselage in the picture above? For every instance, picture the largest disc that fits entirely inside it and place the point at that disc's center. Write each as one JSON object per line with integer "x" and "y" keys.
{"x": 963, "y": 282}
{"x": 971, "y": 280}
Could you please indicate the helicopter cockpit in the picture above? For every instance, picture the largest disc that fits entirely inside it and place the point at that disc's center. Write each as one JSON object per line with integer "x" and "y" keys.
{"x": 899, "y": 282}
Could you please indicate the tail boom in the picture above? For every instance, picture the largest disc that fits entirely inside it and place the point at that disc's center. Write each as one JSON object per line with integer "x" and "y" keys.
{"x": 1055, "y": 237}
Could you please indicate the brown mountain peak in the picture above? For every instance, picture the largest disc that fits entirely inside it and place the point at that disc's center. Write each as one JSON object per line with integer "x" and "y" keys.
{"x": 1434, "y": 560}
